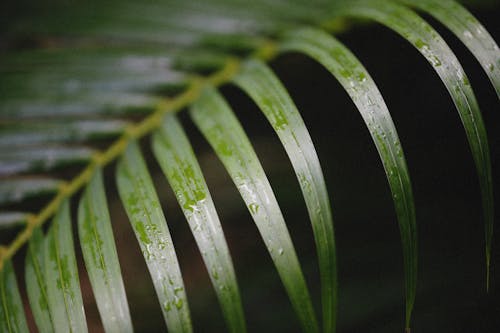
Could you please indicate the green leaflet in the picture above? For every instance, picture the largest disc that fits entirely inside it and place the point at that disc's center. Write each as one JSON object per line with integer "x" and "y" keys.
{"x": 438, "y": 54}
{"x": 36, "y": 285}
{"x": 220, "y": 127}
{"x": 61, "y": 275}
{"x": 12, "y": 318}
{"x": 259, "y": 82}
{"x": 17, "y": 190}
{"x": 143, "y": 208}
{"x": 93, "y": 105}
{"x": 63, "y": 73}
{"x": 24, "y": 134}
{"x": 469, "y": 30}
{"x": 12, "y": 219}
{"x": 360, "y": 86}
{"x": 176, "y": 158}
{"x": 34, "y": 159}
{"x": 101, "y": 259}
{"x": 235, "y": 43}
{"x": 200, "y": 62}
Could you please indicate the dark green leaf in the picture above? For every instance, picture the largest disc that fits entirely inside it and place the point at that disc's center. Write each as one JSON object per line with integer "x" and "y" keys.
{"x": 38, "y": 159}
{"x": 430, "y": 44}
{"x": 61, "y": 274}
{"x": 259, "y": 82}
{"x": 220, "y": 127}
{"x": 101, "y": 259}
{"x": 12, "y": 318}
{"x": 13, "y": 219}
{"x": 59, "y": 132}
{"x": 176, "y": 158}
{"x": 17, "y": 190}
{"x": 359, "y": 85}
{"x": 469, "y": 30}
{"x": 146, "y": 217}
{"x": 36, "y": 285}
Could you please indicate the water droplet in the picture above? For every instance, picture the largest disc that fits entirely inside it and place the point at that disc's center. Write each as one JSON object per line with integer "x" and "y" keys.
{"x": 178, "y": 302}
{"x": 361, "y": 77}
{"x": 147, "y": 253}
{"x": 254, "y": 208}
{"x": 420, "y": 44}
{"x": 468, "y": 34}
{"x": 280, "y": 251}
{"x": 167, "y": 306}
{"x": 435, "y": 61}
{"x": 491, "y": 67}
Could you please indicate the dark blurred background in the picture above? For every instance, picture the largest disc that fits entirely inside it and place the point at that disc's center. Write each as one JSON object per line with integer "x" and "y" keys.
{"x": 451, "y": 293}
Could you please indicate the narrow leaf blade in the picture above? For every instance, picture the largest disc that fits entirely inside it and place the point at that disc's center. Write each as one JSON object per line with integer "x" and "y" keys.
{"x": 17, "y": 190}
{"x": 259, "y": 82}
{"x": 13, "y": 219}
{"x": 101, "y": 258}
{"x": 36, "y": 285}
{"x": 58, "y": 132}
{"x": 176, "y": 158}
{"x": 360, "y": 86}
{"x": 469, "y": 30}
{"x": 143, "y": 208}
{"x": 221, "y": 128}
{"x": 61, "y": 273}
{"x": 12, "y": 318}
{"x": 430, "y": 44}
{"x": 40, "y": 159}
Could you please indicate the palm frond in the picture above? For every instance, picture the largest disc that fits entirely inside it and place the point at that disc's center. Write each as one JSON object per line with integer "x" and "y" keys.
{"x": 221, "y": 128}
{"x": 101, "y": 259}
{"x": 97, "y": 77}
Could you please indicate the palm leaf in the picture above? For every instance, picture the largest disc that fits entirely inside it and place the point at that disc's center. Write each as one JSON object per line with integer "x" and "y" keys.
{"x": 61, "y": 275}
{"x": 101, "y": 259}
{"x": 219, "y": 125}
{"x": 36, "y": 283}
{"x": 147, "y": 219}
{"x": 11, "y": 308}
{"x": 258, "y": 81}
{"x": 446, "y": 65}
{"x": 362, "y": 90}
{"x": 177, "y": 160}
{"x": 97, "y": 77}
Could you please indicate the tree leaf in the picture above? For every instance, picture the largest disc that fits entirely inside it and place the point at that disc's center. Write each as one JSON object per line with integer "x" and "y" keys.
{"x": 176, "y": 158}
{"x": 12, "y": 318}
{"x": 360, "y": 86}
{"x": 469, "y": 30}
{"x": 34, "y": 159}
{"x": 36, "y": 285}
{"x": 259, "y": 82}
{"x": 428, "y": 42}
{"x": 220, "y": 127}
{"x": 111, "y": 104}
{"x": 101, "y": 258}
{"x": 17, "y": 190}
{"x": 141, "y": 203}
{"x": 61, "y": 274}
{"x": 12, "y": 219}
{"x": 24, "y": 134}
